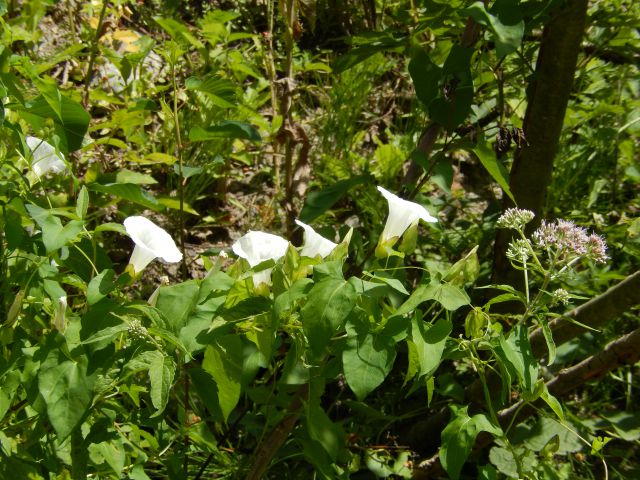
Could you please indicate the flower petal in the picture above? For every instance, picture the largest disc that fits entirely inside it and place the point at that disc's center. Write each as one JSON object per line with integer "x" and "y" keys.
{"x": 44, "y": 158}
{"x": 314, "y": 243}
{"x": 151, "y": 242}
{"x": 257, "y": 247}
{"x": 402, "y": 214}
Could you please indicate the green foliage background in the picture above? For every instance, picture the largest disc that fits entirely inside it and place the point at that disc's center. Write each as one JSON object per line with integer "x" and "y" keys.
{"x": 215, "y": 118}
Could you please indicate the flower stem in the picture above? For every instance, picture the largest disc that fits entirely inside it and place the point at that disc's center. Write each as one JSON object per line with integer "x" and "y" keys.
{"x": 176, "y": 121}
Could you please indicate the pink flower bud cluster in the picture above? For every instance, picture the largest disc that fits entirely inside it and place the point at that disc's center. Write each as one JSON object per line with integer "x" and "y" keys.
{"x": 569, "y": 240}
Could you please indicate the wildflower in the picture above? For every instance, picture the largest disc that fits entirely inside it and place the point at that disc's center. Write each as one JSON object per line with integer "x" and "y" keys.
{"x": 314, "y": 243}
{"x": 519, "y": 250}
{"x": 151, "y": 242}
{"x": 596, "y": 248}
{"x": 61, "y": 310}
{"x": 402, "y": 215}
{"x": 136, "y": 330}
{"x": 257, "y": 247}
{"x": 560, "y": 295}
{"x": 569, "y": 240}
{"x": 515, "y": 218}
{"x": 44, "y": 157}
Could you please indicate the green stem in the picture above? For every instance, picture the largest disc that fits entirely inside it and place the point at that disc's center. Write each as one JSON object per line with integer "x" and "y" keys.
{"x": 180, "y": 167}
{"x": 94, "y": 53}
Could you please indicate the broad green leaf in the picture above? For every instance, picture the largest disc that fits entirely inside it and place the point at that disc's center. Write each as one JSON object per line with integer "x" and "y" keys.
{"x": 223, "y": 361}
{"x": 449, "y": 296}
{"x": 66, "y": 389}
{"x": 286, "y": 300}
{"x": 225, "y": 129}
{"x": 426, "y": 77}
{"x": 367, "y": 359}
{"x": 101, "y": 285}
{"x": 82, "y": 204}
{"x": 187, "y": 171}
{"x": 177, "y": 302}
{"x": 496, "y": 169}
{"x": 221, "y": 90}
{"x": 323, "y": 430}
{"x": 54, "y": 234}
{"x": 517, "y": 352}
{"x": 451, "y": 109}
{"x": 70, "y": 119}
{"x": 320, "y": 201}
{"x": 506, "y": 25}
{"x": 429, "y": 342}
{"x": 161, "y": 372}
{"x": 459, "y": 436}
{"x": 130, "y": 192}
{"x": 465, "y": 270}
{"x": 329, "y": 303}
{"x": 506, "y": 464}
{"x": 10, "y": 383}
{"x": 475, "y": 323}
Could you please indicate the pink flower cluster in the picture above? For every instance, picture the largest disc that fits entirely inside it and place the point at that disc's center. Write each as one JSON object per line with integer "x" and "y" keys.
{"x": 569, "y": 240}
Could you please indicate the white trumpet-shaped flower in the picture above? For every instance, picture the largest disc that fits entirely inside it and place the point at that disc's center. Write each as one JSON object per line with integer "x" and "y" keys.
{"x": 314, "y": 243}
{"x": 44, "y": 157}
{"x": 151, "y": 242}
{"x": 257, "y": 247}
{"x": 402, "y": 214}
{"x": 61, "y": 310}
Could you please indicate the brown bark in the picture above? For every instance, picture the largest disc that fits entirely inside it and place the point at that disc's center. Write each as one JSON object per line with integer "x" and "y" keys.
{"x": 624, "y": 351}
{"x": 271, "y": 444}
{"x": 533, "y": 163}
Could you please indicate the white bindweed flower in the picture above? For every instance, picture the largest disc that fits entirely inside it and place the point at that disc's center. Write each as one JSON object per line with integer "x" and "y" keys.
{"x": 44, "y": 158}
{"x": 314, "y": 243}
{"x": 402, "y": 214}
{"x": 257, "y": 247}
{"x": 151, "y": 242}
{"x": 61, "y": 310}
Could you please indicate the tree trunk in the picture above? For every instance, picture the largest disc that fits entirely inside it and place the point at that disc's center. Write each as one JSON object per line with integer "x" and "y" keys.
{"x": 548, "y": 98}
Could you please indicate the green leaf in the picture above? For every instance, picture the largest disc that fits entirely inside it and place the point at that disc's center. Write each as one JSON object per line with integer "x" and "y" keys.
{"x": 496, "y": 169}
{"x": 507, "y": 25}
{"x": 179, "y": 32}
{"x": 459, "y": 436}
{"x": 329, "y": 303}
{"x": 130, "y": 192}
{"x": 452, "y": 109}
{"x": 465, "y": 270}
{"x": 553, "y": 402}
{"x": 54, "y": 234}
{"x": 426, "y": 77}
{"x": 367, "y": 358}
{"x": 101, "y": 285}
{"x": 225, "y": 129}
{"x": 82, "y": 204}
{"x": 70, "y": 119}
{"x": 221, "y": 91}
{"x": 319, "y": 202}
{"x": 66, "y": 390}
{"x": 449, "y": 296}
{"x": 161, "y": 372}
{"x": 323, "y": 430}
{"x": 429, "y": 342}
{"x": 519, "y": 356}
{"x": 548, "y": 337}
{"x": 223, "y": 361}
{"x": 177, "y": 302}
